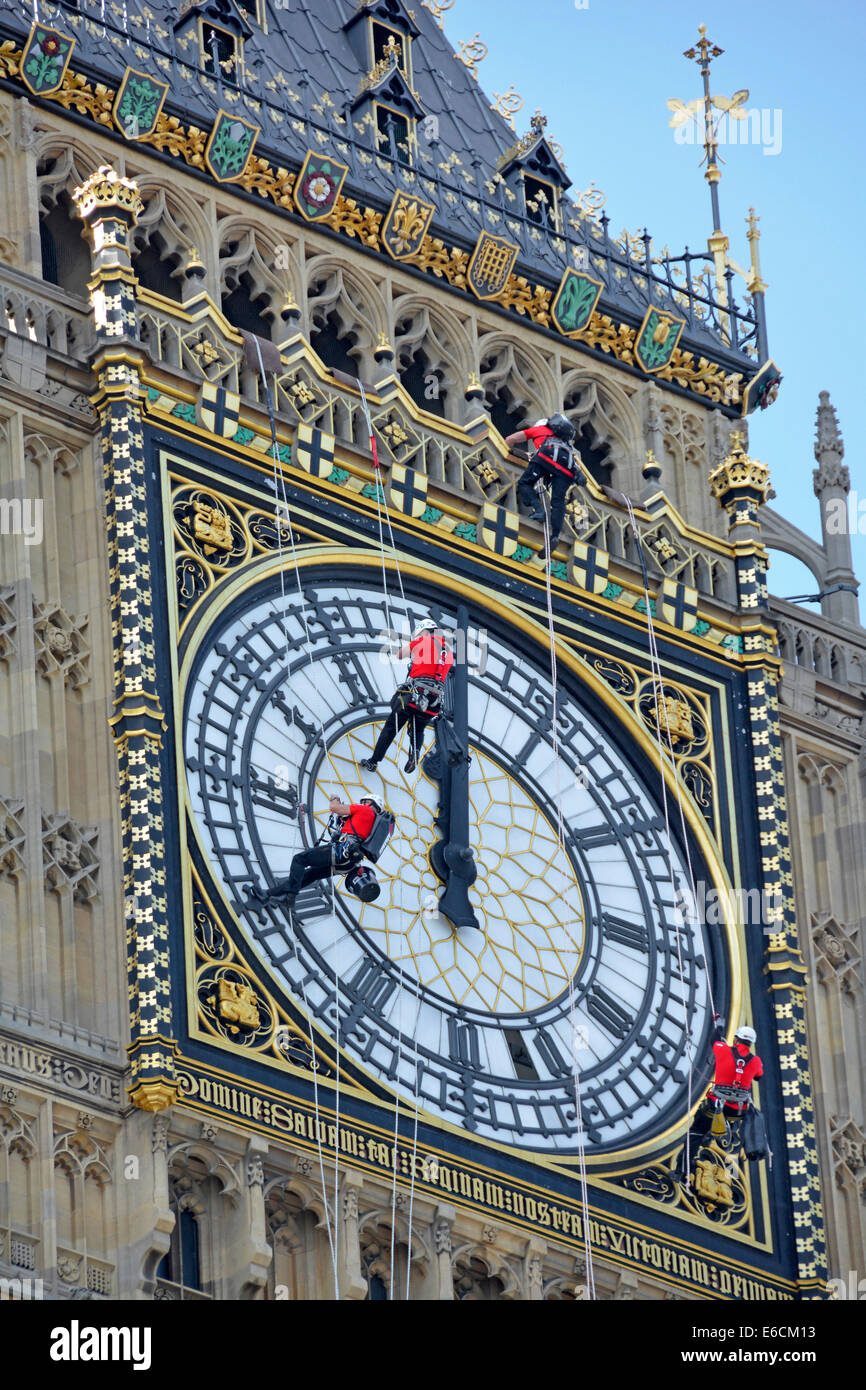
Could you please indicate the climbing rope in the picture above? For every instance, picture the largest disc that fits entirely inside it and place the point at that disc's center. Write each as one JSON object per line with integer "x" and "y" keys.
{"x": 282, "y": 511}
{"x": 658, "y": 690}
{"x": 560, "y": 835}
{"x": 378, "y": 492}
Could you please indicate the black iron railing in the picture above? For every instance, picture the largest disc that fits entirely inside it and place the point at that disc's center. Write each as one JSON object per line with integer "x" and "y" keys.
{"x": 632, "y": 277}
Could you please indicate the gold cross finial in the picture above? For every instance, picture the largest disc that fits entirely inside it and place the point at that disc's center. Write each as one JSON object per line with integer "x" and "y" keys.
{"x": 705, "y": 51}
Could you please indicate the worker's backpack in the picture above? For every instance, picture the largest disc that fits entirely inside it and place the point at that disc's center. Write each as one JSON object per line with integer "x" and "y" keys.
{"x": 555, "y": 456}
{"x": 380, "y": 833}
{"x": 754, "y": 1136}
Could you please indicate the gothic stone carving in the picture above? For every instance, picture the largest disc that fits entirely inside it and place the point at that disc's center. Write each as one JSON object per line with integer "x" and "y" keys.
{"x": 61, "y": 647}
{"x": 8, "y": 622}
{"x": 11, "y": 839}
{"x": 69, "y": 856}
{"x": 849, "y": 1153}
{"x": 837, "y": 957}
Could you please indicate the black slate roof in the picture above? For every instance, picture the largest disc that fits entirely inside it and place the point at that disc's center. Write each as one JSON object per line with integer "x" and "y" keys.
{"x": 298, "y": 83}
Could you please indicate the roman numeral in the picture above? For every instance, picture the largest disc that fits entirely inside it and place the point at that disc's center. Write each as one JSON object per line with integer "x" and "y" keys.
{"x": 524, "y": 1066}
{"x": 373, "y": 988}
{"x": 463, "y": 1044}
{"x": 354, "y": 675}
{"x": 372, "y": 984}
{"x": 551, "y": 1055}
{"x": 266, "y": 793}
{"x": 606, "y": 1011}
{"x": 311, "y": 904}
{"x": 631, "y": 934}
{"x": 527, "y": 750}
{"x": 595, "y": 837}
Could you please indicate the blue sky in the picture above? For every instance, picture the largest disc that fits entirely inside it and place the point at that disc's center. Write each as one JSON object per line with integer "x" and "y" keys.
{"x": 602, "y": 75}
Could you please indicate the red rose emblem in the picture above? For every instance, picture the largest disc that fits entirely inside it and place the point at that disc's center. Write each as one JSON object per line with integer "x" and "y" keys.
{"x": 50, "y": 45}
{"x": 318, "y": 188}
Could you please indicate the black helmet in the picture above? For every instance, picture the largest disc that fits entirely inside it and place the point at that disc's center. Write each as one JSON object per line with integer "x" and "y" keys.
{"x": 562, "y": 428}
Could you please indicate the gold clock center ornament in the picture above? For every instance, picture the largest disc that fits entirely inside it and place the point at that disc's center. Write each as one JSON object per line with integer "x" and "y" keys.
{"x": 526, "y": 898}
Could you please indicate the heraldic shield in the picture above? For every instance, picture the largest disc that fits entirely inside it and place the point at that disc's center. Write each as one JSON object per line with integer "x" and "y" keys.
{"x": 590, "y": 568}
{"x": 405, "y": 226}
{"x": 407, "y": 491}
{"x": 679, "y": 604}
{"x": 499, "y": 529}
{"x": 219, "y": 409}
{"x": 491, "y": 264}
{"x": 657, "y": 338}
{"x": 314, "y": 451}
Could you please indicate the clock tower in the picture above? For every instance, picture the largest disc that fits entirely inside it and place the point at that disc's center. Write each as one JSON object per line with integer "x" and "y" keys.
{"x": 293, "y": 321}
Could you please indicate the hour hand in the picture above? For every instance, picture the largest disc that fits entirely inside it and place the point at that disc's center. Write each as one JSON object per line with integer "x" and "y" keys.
{"x": 454, "y": 861}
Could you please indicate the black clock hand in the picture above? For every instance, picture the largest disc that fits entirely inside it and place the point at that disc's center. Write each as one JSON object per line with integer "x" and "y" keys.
{"x": 456, "y": 854}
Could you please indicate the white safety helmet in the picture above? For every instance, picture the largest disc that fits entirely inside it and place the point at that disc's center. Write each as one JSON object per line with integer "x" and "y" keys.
{"x": 426, "y": 625}
{"x": 373, "y": 801}
{"x": 746, "y": 1034}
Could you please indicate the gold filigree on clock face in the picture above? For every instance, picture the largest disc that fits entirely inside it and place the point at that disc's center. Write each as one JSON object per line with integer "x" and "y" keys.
{"x": 526, "y": 897}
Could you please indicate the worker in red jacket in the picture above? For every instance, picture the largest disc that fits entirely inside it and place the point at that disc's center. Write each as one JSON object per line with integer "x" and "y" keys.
{"x": 555, "y": 463}
{"x": 349, "y": 824}
{"x": 736, "y": 1067}
{"x": 418, "y": 701}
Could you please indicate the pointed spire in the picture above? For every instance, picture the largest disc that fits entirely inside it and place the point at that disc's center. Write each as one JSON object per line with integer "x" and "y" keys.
{"x": 832, "y": 484}
{"x": 829, "y": 449}
{"x": 827, "y": 433}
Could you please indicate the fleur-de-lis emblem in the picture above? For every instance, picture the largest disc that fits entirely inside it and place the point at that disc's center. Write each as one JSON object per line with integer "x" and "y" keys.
{"x": 406, "y": 225}
{"x": 408, "y": 222}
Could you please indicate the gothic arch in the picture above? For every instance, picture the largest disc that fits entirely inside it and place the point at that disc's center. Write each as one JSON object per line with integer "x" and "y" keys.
{"x": 590, "y": 399}
{"x": 181, "y": 1162}
{"x": 279, "y": 1189}
{"x": 353, "y": 298}
{"x": 424, "y": 327}
{"x": 248, "y": 257}
{"x": 778, "y": 533}
{"x": 470, "y": 1259}
{"x": 64, "y": 164}
{"x": 517, "y": 381}
{"x": 170, "y": 225}
{"x": 71, "y": 162}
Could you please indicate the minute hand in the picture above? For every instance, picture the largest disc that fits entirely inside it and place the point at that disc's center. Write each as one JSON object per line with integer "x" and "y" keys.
{"x": 459, "y": 860}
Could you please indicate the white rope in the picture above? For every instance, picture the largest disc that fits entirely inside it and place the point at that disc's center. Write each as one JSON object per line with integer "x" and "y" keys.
{"x": 560, "y": 835}
{"x": 658, "y": 689}
{"x": 377, "y": 487}
{"x": 282, "y": 505}
{"x": 414, "y": 751}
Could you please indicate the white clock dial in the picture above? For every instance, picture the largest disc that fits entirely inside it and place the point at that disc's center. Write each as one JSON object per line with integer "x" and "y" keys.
{"x": 576, "y": 949}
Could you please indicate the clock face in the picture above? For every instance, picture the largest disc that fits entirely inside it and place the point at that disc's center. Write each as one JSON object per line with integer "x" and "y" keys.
{"x": 578, "y": 955}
